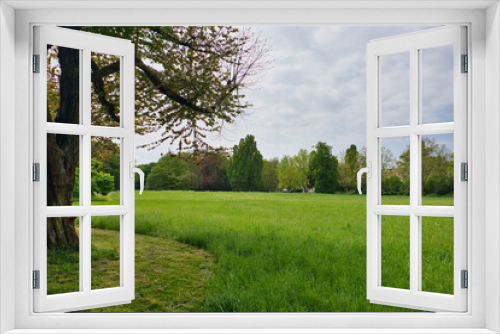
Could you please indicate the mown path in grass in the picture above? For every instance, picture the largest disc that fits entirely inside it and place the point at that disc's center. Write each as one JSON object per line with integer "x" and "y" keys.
{"x": 277, "y": 252}
{"x": 169, "y": 276}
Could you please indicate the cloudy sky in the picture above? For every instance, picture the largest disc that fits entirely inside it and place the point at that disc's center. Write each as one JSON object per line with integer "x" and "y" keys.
{"x": 316, "y": 91}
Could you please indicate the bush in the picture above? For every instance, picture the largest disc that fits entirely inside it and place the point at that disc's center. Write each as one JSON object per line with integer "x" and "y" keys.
{"x": 393, "y": 185}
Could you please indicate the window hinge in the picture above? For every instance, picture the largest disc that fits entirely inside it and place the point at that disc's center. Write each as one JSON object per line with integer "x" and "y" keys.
{"x": 36, "y": 63}
{"x": 465, "y": 279}
{"x": 36, "y": 172}
{"x": 36, "y": 279}
{"x": 465, "y": 64}
{"x": 464, "y": 169}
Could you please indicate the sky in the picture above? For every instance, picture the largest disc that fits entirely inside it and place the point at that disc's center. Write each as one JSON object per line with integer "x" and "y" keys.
{"x": 315, "y": 91}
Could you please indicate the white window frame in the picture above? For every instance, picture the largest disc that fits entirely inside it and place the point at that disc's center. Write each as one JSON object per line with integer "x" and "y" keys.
{"x": 85, "y": 297}
{"x": 413, "y": 44}
{"x": 483, "y": 21}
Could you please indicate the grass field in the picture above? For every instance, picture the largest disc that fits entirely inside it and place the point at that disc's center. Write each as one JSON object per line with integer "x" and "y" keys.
{"x": 274, "y": 252}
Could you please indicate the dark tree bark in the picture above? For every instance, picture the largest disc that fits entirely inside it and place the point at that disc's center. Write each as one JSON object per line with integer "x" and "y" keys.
{"x": 63, "y": 152}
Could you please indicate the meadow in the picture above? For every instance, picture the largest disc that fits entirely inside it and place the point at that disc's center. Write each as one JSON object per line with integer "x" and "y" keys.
{"x": 264, "y": 252}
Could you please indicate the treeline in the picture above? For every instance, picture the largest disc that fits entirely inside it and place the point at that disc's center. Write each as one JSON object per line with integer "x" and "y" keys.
{"x": 316, "y": 171}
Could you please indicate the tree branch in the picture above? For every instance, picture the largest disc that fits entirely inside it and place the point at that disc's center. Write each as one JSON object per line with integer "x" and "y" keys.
{"x": 96, "y": 77}
{"x": 186, "y": 44}
{"x": 154, "y": 77}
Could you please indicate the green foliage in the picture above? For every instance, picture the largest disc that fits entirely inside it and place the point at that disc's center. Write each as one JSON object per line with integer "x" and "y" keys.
{"x": 437, "y": 168}
{"x": 170, "y": 173}
{"x": 111, "y": 166}
{"x": 323, "y": 169}
{"x": 244, "y": 171}
{"x": 351, "y": 157}
{"x": 212, "y": 168}
{"x": 101, "y": 182}
{"x": 270, "y": 179}
{"x": 293, "y": 171}
{"x": 348, "y": 169}
{"x": 393, "y": 185}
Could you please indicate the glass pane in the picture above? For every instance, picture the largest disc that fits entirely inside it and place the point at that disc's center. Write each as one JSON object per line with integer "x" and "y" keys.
{"x": 105, "y": 248}
{"x": 395, "y": 235}
{"x": 437, "y": 84}
{"x": 63, "y": 85}
{"x": 437, "y": 254}
{"x": 105, "y": 89}
{"x": 63, "y": 172}
{"x": 63, "y": 255}
{"x": 105, "y": 171}
{"x": 395, "y": 89}
{"x": 395, "y": 170}
{"x": 437, "y": 170}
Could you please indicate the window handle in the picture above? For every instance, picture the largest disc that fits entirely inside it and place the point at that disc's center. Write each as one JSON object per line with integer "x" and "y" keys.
{"x": 133, "y": 170}
{"x": 368, "y": 171}
{"x": 141, "y": 178}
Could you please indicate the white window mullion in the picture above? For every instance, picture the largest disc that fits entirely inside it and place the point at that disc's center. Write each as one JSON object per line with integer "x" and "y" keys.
{"x": 414, "y": 171}
{"x": 86, "y": 175}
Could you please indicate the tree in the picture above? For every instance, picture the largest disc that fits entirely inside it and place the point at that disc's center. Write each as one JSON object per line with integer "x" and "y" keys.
{"x": 351, "y": 157}
{"x": 213, "y": 171}
{"x": 101, "y": 182}
{"x": 189, "y": 82}
{"x": 323, "y": 169}
{"x": 170, "y": 173}
{"x": 244, "y": 171}
{"x": 111, "y": 166}
{"x": 437, "y": 167}
{"x": 348, "y": 169}
{"x": 270, "y": 179}
{"x": 293, "y": 171}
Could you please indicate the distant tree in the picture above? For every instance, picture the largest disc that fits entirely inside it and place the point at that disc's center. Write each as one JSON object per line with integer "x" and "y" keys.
{"x": 437, "y": 167}
{"x": 170, "y": 173}
{"x": 111, "y": 166}
{"x": 244, "y": 171}
{"x": 323, "y": 169}
{"x": 348, "y": 168}
{"x": 213, "y": 171}
{"x": 351, "y": 157}
{"x": 100, "y": 182}
{"x": 270, "y": 178}
{"x": 293, "y": 171}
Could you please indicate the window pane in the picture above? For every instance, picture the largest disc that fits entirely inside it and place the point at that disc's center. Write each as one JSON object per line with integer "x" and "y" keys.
{"x": 105, "y": 89}
{"x": 105, "y": 183}
{"x": 63, "y": 155}
{"x": 395, "y": 170}
{"x": 437, "y": 84}
{"x": 395, "y": 232}
{"x": 63, "y": 255}
{"x": 437, "y": 254}
{"x": 437, "y": 170}
{"x": 63, "y": 85}
{"x": 105, "y": 252}
{"x": 395, "y": 89}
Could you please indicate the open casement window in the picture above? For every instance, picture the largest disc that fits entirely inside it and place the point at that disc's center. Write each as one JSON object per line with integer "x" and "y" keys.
{"x": 422, "y": 120}
{"x": 80, "y": 133}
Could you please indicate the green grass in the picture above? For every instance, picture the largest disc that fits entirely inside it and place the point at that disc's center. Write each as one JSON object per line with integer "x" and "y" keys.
{"x": 169, "y": 276}
{"x": 277, "y": 252}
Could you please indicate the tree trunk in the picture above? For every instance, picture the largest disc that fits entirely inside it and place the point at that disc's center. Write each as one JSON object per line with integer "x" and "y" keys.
{"x": 63, "y": 152}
